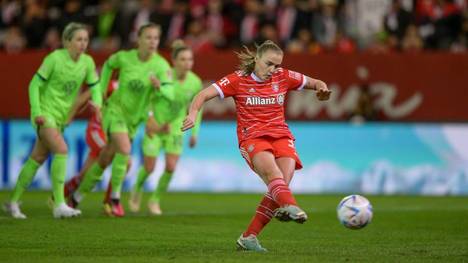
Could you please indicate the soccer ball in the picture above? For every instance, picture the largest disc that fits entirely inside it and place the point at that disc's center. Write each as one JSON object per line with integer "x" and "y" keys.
{"x": 354, "y": 211}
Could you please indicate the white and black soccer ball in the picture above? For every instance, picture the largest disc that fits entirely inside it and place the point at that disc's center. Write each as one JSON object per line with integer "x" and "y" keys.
{"x": 354, "y": 211}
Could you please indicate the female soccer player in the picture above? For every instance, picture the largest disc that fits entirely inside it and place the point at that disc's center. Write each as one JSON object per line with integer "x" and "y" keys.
{"x": 259, "y": 89}
{"x": 95, "y": 139}
{"x": 168, "y": 116}
{"x": 52, "y": 94}
{"x": 142, "y": 72}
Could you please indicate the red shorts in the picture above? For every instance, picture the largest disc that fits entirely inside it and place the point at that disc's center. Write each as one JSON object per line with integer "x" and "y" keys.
{"x": 280, "y": 147}
{"x": 96, "y": 140}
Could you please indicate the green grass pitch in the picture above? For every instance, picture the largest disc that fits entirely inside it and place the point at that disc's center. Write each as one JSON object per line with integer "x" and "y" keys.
{"x": 204, "y": 227}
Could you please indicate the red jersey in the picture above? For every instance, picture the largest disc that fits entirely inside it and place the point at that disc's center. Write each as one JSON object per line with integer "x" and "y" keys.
{"x": 260, "y": 104}
{"x": 93, "y": 123}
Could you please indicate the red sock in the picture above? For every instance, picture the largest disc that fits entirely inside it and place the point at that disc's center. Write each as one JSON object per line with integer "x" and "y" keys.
{"x": 72, "y": 185}
{"x": 280, "y": 192}
{"x": 262, "y": 216}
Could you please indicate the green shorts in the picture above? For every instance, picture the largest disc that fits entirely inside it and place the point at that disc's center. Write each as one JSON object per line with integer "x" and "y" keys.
{"x": 50, "y": 122}
{"x": 171, "y": 143}
{"x": 116, "y": 123}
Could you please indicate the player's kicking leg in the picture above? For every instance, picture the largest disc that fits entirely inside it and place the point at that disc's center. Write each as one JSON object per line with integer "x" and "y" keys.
{"x": 279, "y": 202}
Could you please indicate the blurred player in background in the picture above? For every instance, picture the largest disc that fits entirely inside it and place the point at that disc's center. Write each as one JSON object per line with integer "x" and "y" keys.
{"x": 95, "y": 139}
{"x": 167, "y": 133}
{"x": 259, "y": 90}
{"x": 53, "y": 93}
{"x": 142, "y": 73}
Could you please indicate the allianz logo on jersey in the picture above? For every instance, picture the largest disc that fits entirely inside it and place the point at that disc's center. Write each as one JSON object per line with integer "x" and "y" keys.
{"x": 256, "y": 101}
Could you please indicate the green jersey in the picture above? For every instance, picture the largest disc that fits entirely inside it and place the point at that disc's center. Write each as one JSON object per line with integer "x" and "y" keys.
{"x": 63, "y": 77}
{"x": 131, "y": 99}
{"x": 174, "y": 111}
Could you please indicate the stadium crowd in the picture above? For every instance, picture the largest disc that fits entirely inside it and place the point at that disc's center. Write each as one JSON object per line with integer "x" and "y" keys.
{"x": 301, "y": 26}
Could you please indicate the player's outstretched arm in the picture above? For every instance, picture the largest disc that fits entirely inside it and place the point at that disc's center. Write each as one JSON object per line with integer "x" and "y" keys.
{"x": 323, "y": 93}
{"x": 197, "y": 102}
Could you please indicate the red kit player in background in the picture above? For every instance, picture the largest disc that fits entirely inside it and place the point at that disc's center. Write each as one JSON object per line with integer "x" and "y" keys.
{"x": 96, "y": 140}
{"x": 259, "y": 90}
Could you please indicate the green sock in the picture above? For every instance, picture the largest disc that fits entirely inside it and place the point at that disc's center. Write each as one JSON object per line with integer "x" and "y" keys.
{"x": 58, "y": 172}
{"x": 25, "y": 178}
{"x": 90, "y": 178}
{"x": 163, "y": 184}
{"x": 119, "y": 169}
{"x": 142, "y": 175}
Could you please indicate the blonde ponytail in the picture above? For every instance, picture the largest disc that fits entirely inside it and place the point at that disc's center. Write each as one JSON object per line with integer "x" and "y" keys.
{"x": 247, "y": 57}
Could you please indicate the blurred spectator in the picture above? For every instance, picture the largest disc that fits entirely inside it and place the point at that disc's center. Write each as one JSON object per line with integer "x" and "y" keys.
{"x": 447, "y": 23}
{"x": 367, "y": 19}
{"x": 52, "y": 39}
{"x": 107, "y": 32}
{"x": 267, "y": 32}
{"x": 461, "y": 44}
{"x": 397, "y": 20}
{"x": 269, "y": 9}
{"x": 174, "y": 24}
{"x": 14, "y": 41}
{"x": 197, "y": 11}
{"x": 11, "y": 12}
{"x": 304, "y": 43}
{"x": 250, "y": 24}
{"x": 216, "y": 24}
{"x": 325, "y": 25}
{"x": 197, "y": 38}
{"x": 307, "y": 9}
{"x": 412, "y": 41}
{"x": 287, "y": 20}
{"x": 440, "y": 22}
{"x": 310, "y": 26}
{"x": 382, "y": 42}
{"x": 194, "y": 3}
{"x": 34, "y": 23}
{"x": 234, "y": 12}
{"x": 343, "y": 44}
{"x": 144, "y": 15}
{"x": 72, "y": 12}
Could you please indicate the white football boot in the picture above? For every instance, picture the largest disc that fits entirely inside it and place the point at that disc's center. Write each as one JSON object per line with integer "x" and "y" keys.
{"x": 134, "y": 202}
{"x": 64, "y": 211}
{"x": 13, "y": 209}
{"x": 154, "y": 208}
{"x": 249, "y": 243}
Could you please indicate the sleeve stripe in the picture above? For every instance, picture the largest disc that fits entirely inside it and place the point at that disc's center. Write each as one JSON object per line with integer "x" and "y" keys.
{"x": 221, "y": 94}
{"x": 41, "y": 77}
{"x": 304, "y": 82}
{"x": 92, "y": 84}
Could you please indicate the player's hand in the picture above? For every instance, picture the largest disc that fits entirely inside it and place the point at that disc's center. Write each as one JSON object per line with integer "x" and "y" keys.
{"x": 193, "y": 141}
{"x": 323, "y": 93}
{"x": 189, "y": 122}
{"x": 155, "y": 82}
{"x": 39, "y": 120}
